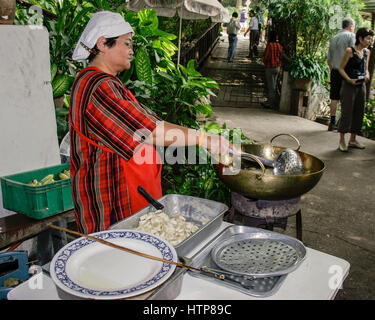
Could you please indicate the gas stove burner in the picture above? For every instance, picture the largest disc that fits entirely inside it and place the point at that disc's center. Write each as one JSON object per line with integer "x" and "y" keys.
{"x": 265, "y": 213}
{"x": 265, "y": 208}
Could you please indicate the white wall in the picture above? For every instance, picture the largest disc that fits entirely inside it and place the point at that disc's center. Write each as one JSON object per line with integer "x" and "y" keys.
{"x": 28, "y": 137}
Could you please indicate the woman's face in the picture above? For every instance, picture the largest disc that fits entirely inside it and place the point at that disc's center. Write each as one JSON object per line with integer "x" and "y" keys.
{"x": 121, "y": 54}
{"x": 366, "y": 41}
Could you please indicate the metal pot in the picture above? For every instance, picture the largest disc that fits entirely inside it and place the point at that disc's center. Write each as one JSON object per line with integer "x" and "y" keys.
{"x": 263, "y": 184}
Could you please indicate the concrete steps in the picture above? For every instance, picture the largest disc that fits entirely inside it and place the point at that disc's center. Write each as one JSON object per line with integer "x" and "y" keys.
{"x": 242, "y": 83}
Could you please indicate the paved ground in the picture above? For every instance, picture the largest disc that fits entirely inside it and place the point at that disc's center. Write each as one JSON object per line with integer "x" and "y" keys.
{"x": 338, "y": 215}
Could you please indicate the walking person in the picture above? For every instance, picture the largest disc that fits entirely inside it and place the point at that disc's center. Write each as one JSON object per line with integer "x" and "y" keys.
{"x": 254, "y": 35}
{"x": 354, "y": 70}
{"x": 232, "y": 29}
{"x": 337, "y": 46}
{"x": 272, "y": 62}
{"x": 243, "y": 20}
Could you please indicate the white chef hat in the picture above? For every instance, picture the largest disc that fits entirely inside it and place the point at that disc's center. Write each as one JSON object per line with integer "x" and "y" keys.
{"x": 102, "y": 24}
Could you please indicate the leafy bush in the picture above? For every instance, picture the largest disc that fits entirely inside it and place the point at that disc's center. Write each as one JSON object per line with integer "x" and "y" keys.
{"x": 368, "y": 125}
{"x": 302, "y": 67}
{"x": 201, "y": 180}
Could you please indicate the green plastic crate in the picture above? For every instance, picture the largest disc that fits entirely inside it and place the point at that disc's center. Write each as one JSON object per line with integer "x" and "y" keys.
{"x": 41, "y": 201}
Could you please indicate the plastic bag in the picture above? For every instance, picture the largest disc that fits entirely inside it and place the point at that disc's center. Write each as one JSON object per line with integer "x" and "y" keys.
{"x": 65, "y": 149}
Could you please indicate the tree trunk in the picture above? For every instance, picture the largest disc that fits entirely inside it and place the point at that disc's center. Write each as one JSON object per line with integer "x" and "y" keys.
{"x": 287, "y": 36}
{"x": 371, "y": 65}
{"x": 7, "y": 11}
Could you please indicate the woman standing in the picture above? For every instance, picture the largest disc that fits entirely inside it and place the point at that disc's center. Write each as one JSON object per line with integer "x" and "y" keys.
{"x": 354, "y": 70}
{"x": 112, "y": 135}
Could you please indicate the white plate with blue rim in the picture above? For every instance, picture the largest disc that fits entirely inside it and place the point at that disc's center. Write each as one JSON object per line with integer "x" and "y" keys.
{"x": 88, "y": 269}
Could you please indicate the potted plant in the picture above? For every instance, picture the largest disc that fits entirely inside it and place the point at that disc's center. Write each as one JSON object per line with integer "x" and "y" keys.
{"x": 304, "y": 69}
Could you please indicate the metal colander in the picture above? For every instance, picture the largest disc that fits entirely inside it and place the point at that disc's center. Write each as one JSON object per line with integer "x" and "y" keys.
{"x": 259, "y": 257}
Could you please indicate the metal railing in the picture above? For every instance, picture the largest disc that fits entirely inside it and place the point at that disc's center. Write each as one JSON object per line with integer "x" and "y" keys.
{"x": 202, "y": 46}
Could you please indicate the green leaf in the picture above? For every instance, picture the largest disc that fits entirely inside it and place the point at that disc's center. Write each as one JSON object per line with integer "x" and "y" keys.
{"x": 212, "y": 126}
{"x": 211, "y": 84}
{"x": 53, "y": 71}
{"x": 157, "y": 58}
{"x": 61, "y": 85}
{"x": 205, "y": 109}
{"x": 143, "y": 66}
{"x": 61, "y": 112}
{"x": 148, "y": 19}
{"x": 166, "y": 76}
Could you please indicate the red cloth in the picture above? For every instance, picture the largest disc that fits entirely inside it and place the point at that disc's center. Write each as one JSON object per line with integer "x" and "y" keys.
{"x": 108, "y": 127}
{"x": 272, "y": 55}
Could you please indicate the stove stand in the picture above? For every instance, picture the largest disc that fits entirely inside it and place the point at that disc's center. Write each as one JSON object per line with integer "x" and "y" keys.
{"x": 265, "y": 214}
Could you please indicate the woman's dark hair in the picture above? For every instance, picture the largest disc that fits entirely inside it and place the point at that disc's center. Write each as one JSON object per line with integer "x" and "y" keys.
{"x": 234, "y": 14}
{"x": 109, "y": 42}
{"x": 363, "y": 33}
{"x": 272, "y": 36}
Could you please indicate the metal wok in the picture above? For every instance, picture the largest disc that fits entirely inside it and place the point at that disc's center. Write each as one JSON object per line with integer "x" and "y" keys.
{"x": 257, "y": 182}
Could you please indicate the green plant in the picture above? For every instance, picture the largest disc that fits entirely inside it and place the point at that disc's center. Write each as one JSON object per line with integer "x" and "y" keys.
{"x": 175, "y": 93}
{"x": 182, "y": 93}
{"x": 368, "y": 125}
{"x": 302, "y": 67}
{"x": 191, "y": 29}
{"x": 153, "y": 47}
{"x": 200, "y": 180}
{"x": 306, "y": 26}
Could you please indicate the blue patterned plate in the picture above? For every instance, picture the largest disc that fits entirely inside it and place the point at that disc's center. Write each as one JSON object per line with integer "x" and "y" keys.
{"x": 89, "y": 269}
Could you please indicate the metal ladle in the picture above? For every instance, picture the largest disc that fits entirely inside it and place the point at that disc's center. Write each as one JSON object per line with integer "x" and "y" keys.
{"x": 287, "y": 162}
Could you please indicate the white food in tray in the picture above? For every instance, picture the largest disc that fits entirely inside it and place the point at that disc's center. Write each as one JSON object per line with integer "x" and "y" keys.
{"x": 172, "y": 229}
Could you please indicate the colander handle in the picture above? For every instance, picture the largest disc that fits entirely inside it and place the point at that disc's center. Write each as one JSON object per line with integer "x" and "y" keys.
{"x": 290, "y": 135}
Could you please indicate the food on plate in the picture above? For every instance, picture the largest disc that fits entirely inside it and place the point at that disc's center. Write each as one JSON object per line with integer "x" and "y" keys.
{"x": 172, "y": 229}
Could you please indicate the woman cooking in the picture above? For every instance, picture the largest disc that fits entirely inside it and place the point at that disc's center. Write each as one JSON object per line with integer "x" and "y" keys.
{"x": 111, "y": 132}
{"x": 354, "y": 70}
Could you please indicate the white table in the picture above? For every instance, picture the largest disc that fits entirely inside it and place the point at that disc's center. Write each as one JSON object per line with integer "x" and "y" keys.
{"x": 319, "y": 277}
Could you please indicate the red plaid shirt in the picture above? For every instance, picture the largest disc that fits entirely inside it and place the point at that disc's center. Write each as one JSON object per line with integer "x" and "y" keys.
{"x": 272, "y": 55}
{"x": 110, "y": 116}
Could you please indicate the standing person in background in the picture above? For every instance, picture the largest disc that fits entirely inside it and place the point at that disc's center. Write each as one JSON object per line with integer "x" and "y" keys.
{"x": 233, "y": 27}
{"x": 243, "y": 20}
{"x": 254, "y": 35}
{"x": 272, "y": 62}
{"x": 337, "y": 46}
{"x": 354, "y": 70}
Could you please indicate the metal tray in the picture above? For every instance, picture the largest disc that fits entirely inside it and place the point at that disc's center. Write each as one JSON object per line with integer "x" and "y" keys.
{"x": 195, "y": 210}
{"x": 259, "y": 254}
{"x": 170, "y": 289}
{"x": 257, "y": 286}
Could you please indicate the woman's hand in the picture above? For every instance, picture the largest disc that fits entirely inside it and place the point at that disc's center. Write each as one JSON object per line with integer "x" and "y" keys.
{"x": 352, "y": 82}
{"x": 216, "y": 144}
